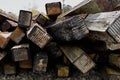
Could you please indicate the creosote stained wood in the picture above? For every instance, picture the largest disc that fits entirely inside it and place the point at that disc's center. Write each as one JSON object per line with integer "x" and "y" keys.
{"x": 17, "y": 35}
{"x": 53, "y": 8}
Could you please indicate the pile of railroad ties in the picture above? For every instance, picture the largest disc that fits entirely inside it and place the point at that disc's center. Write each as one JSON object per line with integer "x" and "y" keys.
{"x": 81, "y": 44}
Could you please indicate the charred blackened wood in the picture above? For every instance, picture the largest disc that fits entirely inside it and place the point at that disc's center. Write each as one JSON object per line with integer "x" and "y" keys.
{"x": 53, "y": 8}
{"x": 20, "y": 52}
{"x": 17, "y": 35}
{"x": 69, "y": 29}
{"x": 25, "y": 18}
{"x": 8, "y": 26}
{"x": 78, "y": 57}
{"x": 40, "y": 63}
{"x": 54, "y": 49}
{"x": 101, "y": 41}
{"x": 38, "y": 35}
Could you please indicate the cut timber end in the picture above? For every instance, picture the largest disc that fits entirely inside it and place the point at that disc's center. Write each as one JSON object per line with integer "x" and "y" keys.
{"x": 17, "y": 35}
{"x": 20, "y": 53}
{"x": 53, "y": 8}
{"x": 25, "y": 18}
{"x": 63, "y": 71}
{"x": 38, "y": 35}
{"x": 78, "y": 57}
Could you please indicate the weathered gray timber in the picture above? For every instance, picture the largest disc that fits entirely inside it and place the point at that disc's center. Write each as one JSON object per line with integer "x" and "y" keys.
{"x": 69, "y": 29}
{"x": 105, "y": 27}
{"x": 86, "y": 6}
{"x": 78, "y": 57}
{"x": 101, "y": 21}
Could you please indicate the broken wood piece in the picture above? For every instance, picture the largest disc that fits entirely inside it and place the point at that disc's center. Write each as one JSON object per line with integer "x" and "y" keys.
{"x": 17, "y": 35}
{"x": 40, "y": 63}
{"x": 25, "y": 18}
{"x": 20, "y": 52}
{"x": 78, "y": 57}
{"x": 38, "y": 35}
